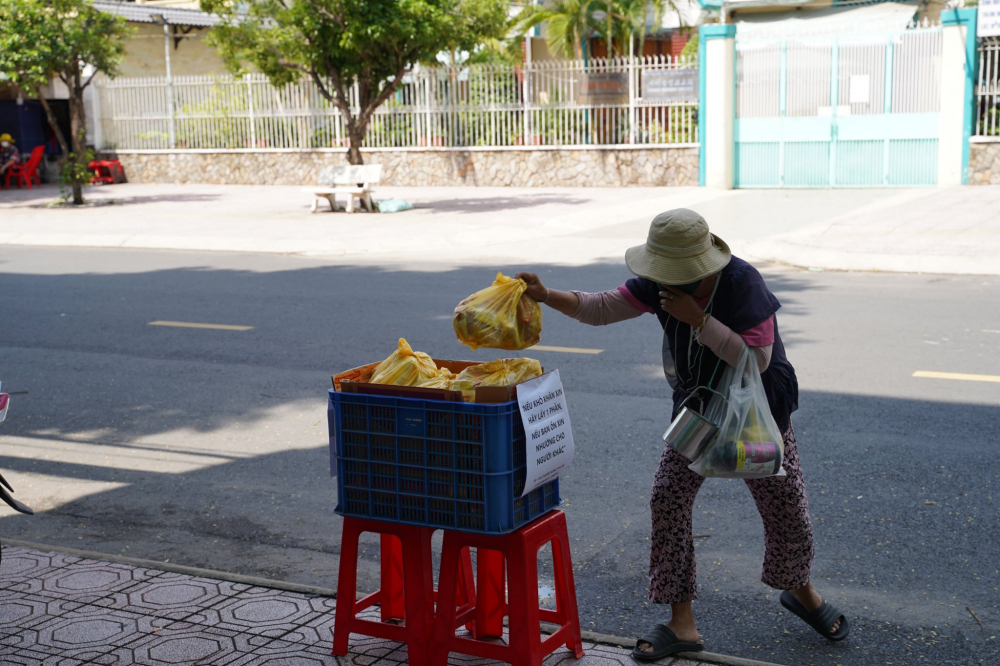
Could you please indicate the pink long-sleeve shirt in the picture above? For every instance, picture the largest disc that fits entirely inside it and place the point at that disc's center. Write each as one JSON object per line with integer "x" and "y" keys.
{"x": 608, "y": 307}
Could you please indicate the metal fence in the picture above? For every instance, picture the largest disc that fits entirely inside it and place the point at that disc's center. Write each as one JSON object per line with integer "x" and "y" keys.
{"x": 988, "y": 88}
{"x": 647, "y": 101}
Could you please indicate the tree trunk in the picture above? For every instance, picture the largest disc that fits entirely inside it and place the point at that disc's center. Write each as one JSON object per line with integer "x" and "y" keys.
{"x": 78, "y": 129}
{"x": 354, "y": 147}
{"x": 53, "y": 123}
{"x": 610, "y": 43}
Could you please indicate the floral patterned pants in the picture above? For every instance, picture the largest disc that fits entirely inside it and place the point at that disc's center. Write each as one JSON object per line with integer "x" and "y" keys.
{"x": 781, "y": 501}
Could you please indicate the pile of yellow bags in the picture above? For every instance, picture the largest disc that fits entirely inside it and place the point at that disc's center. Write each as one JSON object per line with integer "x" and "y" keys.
{"x": 498, "y": 317}
{"x": 405, "y": 367}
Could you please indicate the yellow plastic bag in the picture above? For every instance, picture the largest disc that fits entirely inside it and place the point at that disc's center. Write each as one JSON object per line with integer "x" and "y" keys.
{"x": 442, "y": 380}
{"x": 497, "y": 317}
{"x": 405, "y": 367}
{"x": 501, "y": 372}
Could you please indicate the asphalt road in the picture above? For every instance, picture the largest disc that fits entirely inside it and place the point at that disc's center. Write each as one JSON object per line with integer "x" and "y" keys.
{"x": 208, "y": 447}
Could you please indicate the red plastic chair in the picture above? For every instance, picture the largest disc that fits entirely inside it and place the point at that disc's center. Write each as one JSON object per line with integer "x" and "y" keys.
{"x": 24, "y": 172}
{"x": 406, "y": 589}
{"x": 520, "y": 550}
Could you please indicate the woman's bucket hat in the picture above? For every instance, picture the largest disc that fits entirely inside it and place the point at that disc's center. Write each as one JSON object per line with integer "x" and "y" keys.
{"x": 678, "y": 250}
{"x": 6, "y": 137}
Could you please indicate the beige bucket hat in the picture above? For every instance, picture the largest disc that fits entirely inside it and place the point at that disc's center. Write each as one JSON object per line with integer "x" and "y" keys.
{"x": 678, "y": 250}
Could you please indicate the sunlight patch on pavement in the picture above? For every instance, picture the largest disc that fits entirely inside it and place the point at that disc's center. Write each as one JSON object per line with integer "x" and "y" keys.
{"x": 44, "y": 492}
{"x": 567, "y": 350}
{"x": 89, "y": 454}
{"x": 188, "y": 324}
{"x": 957, "y": 375}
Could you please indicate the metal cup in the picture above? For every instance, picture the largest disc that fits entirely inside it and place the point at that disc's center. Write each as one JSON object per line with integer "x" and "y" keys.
{"x": 689, "y": 433}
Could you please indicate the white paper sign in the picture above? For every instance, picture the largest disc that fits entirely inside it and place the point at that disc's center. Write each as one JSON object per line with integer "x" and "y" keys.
{"x": 988, "y": 20}
{"x": 859, "y": 89}
{"x": 548, "y": 436}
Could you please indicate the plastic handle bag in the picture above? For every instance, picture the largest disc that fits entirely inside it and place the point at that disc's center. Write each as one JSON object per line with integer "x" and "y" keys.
{"x": 498, "y": 317}
{"x": 749, "y": 444}
{"x": 405, "y": 367}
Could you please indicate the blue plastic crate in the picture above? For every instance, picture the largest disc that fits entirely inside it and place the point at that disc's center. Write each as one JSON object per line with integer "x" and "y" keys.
{"x": 443, "y": 464}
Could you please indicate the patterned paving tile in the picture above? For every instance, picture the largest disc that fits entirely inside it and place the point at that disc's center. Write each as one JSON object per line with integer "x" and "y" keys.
{"x": 190, "y": 644}
{"x": 69, "y": 611}
{"x": 85, "y": 581}
{"x": 174, "y": 596}
{"x": 19, "y": 565}
{"x": 273, "y": 613}
{"x": 37, "y": 658}
{"x": 92, "y": 630}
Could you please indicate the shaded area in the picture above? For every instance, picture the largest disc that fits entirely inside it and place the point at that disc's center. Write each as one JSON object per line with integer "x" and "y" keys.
{"x": 474, "y": 204}
{"x": 214, "y": 441}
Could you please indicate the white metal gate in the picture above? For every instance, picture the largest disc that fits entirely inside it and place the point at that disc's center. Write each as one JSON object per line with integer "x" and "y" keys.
{"x": 858, "y": 110}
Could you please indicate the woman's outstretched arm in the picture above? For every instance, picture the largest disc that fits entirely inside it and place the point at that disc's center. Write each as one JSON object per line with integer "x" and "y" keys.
{"x": 599, "y": 309}
{"x": 564, "y": 301}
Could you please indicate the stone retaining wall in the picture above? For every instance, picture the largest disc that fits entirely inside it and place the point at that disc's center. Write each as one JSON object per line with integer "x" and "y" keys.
{"x": 984, "y": 163}
{"x": 514, "y": 168}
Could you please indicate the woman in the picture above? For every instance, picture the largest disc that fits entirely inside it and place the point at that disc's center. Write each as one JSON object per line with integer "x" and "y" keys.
{"x": 711, "y": 306}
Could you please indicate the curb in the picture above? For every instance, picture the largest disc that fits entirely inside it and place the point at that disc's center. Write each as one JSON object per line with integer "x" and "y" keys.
{"x": 594, "y": 637}
{"x": 788, "y": 251}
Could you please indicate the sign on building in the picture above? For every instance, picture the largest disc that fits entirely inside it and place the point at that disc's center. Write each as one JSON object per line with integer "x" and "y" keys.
{"x": 670, "y": 85}
{"x": 988, "y": 22}
{"x": 603, "y": 88}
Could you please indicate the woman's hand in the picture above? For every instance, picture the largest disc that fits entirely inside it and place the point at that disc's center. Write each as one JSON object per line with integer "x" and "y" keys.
{"x": 681, "y": 306}
{"x": 535, "y": 289}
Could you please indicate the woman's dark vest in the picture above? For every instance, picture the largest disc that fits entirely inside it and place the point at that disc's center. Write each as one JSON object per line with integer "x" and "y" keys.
{"x": 741, "y": 301}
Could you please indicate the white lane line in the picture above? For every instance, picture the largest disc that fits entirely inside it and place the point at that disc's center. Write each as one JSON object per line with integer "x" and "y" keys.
{"x": 568, "y": 350}
{"x": 189, "y": 324}
{"x": 957, "y": 375}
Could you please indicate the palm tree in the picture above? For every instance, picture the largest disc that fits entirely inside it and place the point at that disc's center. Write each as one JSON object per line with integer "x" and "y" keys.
{"x": 568, "y": 22}
{"x": 626, "y": 18}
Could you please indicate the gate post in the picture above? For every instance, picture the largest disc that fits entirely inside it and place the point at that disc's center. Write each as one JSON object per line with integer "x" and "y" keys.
{"x": 958, "y": 78}
{"x": 716, "y": 104}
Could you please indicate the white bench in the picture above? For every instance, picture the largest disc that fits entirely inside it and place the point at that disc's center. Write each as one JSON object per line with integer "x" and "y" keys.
{"x": 352, "y": 181}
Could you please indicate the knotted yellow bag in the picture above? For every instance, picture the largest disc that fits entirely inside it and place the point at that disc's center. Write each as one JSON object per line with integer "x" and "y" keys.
{"x": 405, "y": 367}
{"x": 501, "y": 372}
{"x": 498, "y": 317}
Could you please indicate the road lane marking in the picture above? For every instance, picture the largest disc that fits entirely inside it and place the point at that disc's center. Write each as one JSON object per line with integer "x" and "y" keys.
{"x": 568, "y": 350}
{"x": 957, "y": 375}
{"x": 188, "y": 324}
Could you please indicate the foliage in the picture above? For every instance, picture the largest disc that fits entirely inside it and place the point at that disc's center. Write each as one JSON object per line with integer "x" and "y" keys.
{"x": 690, "y": 49}
{"x": 62, "y": 38}
{"x": 567, "y": 24}
{"x": 570, "y": 22}
{"x": 367, "y": 45}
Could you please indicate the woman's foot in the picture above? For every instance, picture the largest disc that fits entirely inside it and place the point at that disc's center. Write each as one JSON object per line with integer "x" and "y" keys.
{"x": 681, "y": 623}
{"x": 809, "y": 597}
{"x": 684, "y": 632}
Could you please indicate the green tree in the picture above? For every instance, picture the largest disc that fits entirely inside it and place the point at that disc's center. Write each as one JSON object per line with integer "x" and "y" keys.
{"x": 70, "y": 40}
{"x": 342, "y": 43}
{"x": 567, "y": 24}
{"x": 628, "y": 18}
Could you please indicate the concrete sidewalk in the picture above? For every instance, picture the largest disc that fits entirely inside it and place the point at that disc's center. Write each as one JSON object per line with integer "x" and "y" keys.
{"x": 946, "y": 230}
{"x": 68, "y": 609}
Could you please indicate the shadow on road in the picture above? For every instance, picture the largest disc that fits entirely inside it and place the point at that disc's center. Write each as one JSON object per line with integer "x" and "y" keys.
{"x": 498, "y": 204}
{"x": 903, "y": 492}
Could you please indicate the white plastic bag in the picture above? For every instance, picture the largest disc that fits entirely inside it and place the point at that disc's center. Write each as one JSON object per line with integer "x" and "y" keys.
{"x": 749, "y": 444}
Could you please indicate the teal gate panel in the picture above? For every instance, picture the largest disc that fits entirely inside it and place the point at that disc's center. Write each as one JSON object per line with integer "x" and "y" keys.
{"x": 858, "y": 110}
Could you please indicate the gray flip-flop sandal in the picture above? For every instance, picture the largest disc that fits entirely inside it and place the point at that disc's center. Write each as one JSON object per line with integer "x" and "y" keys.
{"x": 665, "y": 643}
{"x": 820, "y": 619}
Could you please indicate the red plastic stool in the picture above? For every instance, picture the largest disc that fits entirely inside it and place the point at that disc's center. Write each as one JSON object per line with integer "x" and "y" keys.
{"x": 520, "y": 550}
{"x": 406, "y": 589}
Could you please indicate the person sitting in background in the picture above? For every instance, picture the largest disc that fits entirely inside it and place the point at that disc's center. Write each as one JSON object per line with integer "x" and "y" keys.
{"x": 9, "y": 155}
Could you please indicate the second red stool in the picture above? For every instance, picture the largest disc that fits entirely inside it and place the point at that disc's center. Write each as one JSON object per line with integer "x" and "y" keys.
{"x": 520, "y": 550}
